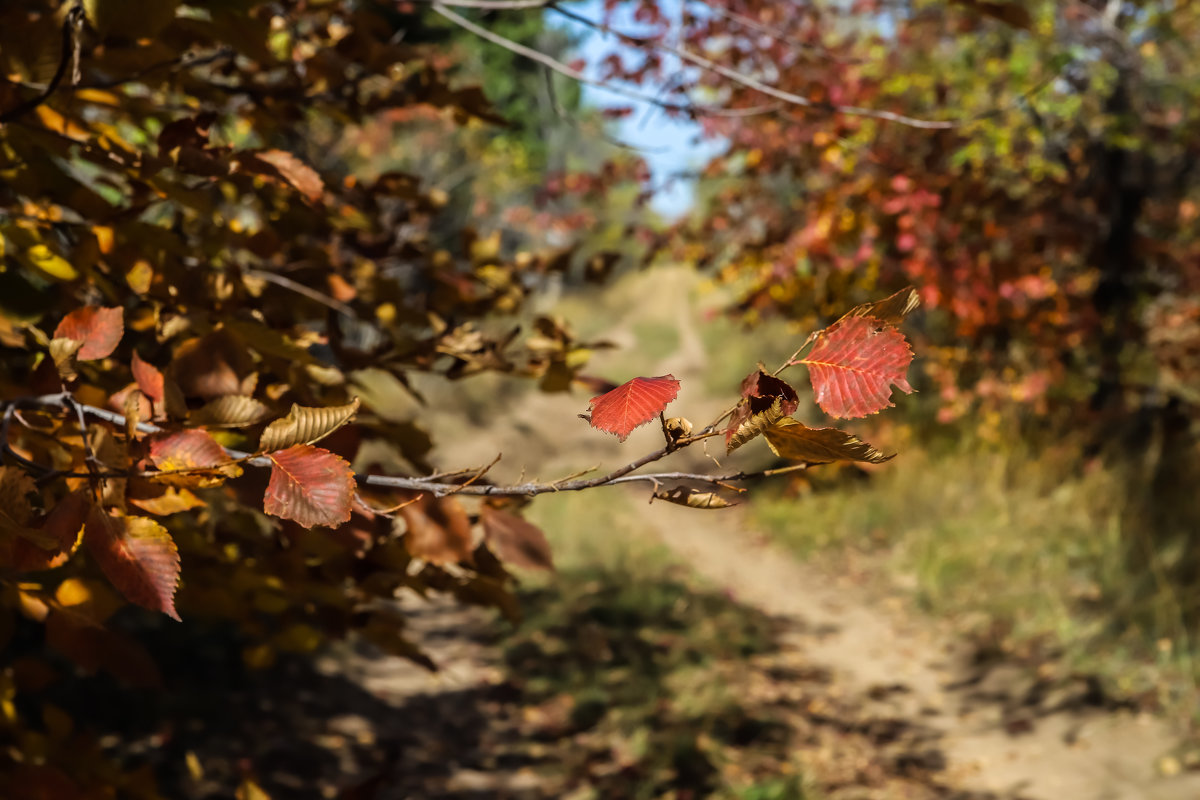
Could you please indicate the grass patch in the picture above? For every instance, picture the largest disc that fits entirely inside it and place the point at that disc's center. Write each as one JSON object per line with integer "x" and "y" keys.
{"x": 1034, "y": 550}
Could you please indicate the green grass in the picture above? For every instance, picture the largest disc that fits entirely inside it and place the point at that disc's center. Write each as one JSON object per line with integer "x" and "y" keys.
{"x": 1035, "y": 547}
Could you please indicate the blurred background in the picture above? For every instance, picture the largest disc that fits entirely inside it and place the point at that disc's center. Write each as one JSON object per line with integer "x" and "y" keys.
{"x": 651, "y": 187}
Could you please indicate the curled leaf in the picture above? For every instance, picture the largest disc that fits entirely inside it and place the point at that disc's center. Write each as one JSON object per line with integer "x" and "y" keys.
{"x": 632, "y": 404}
{"x": 310, "y": 486}
{"x": 515, "y": 540}
{"x": 854, "y": 364}
{"x": 65, "y": 353}
{"x": 892, "y": 309}
{"x": 99, "y": 329}
{"x": 230, "y": 411}
{"x": 754, "y": 426}
{"x": 304, "y": 425}
{"x": 138, "y": 557}
{"x": 791, "y": 439}
{"x": 693, "y": 498}
{"x": 437, "y": 530}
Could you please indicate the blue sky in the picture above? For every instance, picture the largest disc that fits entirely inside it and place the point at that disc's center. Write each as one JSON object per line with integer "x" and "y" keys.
{"x": 668, "y": 145}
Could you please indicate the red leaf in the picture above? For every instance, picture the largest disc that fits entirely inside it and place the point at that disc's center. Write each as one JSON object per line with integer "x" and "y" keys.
{"x": 309, "y": 485}
{"x": 187, "y": 449}
{"x": 100, "y": 330}
{"x": 62, "y": 525}
{"x": 632, "y": 404}
{"x": 515, "y": 540}
{"x": 854, "y": 364}
{"x": 149, "y": 379}
{"x": 137, "y": 555}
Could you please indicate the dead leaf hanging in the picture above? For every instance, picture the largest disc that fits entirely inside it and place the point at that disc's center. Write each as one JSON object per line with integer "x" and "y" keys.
{"x": 304, "y": 425}
{"x": 798, "y": 442}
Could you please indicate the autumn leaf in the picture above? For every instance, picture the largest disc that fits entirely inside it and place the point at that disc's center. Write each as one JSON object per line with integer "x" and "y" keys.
{"x": 755, "y": 425}
{"x": 192, "y": 451}
{"x": 99, "y": 329}
{"x": 309, "y": 486}
{"x": 305, "y": 426}
{"x": 892, "y": 309}
{"x": 61, "y": 528}
{"x": 230, "y": 411}
{"x": 437, "y": 530}
{"x": 301, "y": 176}
{"x": 138, "y": 557}
{"x": 515, "y": 540}
{"x": 632, "y": 404}
{"x": 854, "y": 364}
{"x": 693, "y": 498}
{"x": 148, "y": 378}
{"x": 798, "y": 442}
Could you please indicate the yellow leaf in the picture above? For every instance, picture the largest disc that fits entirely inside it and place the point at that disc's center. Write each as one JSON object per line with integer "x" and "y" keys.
{"x": 43, "y": 258}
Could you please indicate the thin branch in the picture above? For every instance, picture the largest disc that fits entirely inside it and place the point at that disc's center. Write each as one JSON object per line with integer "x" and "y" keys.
{"x": 766, "y": 30}
{"x": 301, "y": 289}
{"x": 689, "y": 109}
{"x": 70, "y": 32}
{"x": 751, "y": 82}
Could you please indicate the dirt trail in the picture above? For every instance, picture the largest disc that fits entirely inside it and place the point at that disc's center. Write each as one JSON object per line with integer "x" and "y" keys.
{"x": 994, "y": 731}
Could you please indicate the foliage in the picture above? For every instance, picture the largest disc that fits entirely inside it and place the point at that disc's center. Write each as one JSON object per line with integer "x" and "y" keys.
{"x": 222, "y": 287}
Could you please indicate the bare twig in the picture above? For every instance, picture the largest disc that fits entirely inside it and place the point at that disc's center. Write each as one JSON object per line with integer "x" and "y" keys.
{"x": 70, "y": 33}
{"x": 301, "y": 289}
{"x": 688, "y": 109}
{"x": 751, "y": 82}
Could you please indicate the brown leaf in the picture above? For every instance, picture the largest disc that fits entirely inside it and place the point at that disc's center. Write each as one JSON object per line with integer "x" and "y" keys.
{"x": 891, "y": 310}
{"x": 231, "y": 411}
{"x": 1010, "y": 13}
{"x": 100, "y": 330}
{"x": 304, "y": 425}
{"x": 794, "y": 440}
{"x": 437, "y": 530}
{"x": 693, "y": 498}
{"x": 62, "y": 526}
{"x": 632, "y": 404}
{"x": 64, "y": 353}
{"x": 161, "y": 500}
{"x": 754, "y": 426}
{"x": 213, "y": 365}
{"x": 854, "y": 364}
{"x": 137, "y": 555}
{"x": 310, "y": 486}
{"x": 301, "y": 176}
{"x": 515, "y": 540}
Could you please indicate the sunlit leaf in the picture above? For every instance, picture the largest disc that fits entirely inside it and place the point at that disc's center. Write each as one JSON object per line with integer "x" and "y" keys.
{"x": 755, "y": 425}
{"x": 515, "y": 540}
{"x": 305, "y": 426}
{"x": 798, "y": 442}
{"x": 137, "y": 555}
{"x": 300, "y": 175}
{"x": 693, "y": 498}
{"x": 854, "y": 364}
{"x": 632, "y": 404}
{"x": 100, "y": 330}
{"x": 892, "y": 309}
{"x": 310, "y": 486}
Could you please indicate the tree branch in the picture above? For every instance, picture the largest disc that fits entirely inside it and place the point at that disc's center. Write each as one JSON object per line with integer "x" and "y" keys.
{"x": 436, "y": 484}
{"x": 70, "y": 33}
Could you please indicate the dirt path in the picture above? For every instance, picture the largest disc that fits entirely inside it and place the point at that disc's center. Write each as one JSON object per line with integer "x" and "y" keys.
{"x": 991, "y": 730}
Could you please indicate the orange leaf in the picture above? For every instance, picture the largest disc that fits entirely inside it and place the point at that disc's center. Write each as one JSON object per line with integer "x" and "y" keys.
{"x": 187, "y": 449}
{"x": 137, "y": 555}
{"x": 854, "y": 364}
{"x": 515, "y": 540}
{"x": 310, "y": 486}
{"x": 149, "y": 379}
{"x": 62, "y": 525}
{"x": 437, "y": 530}
{"x": 633, "y": 403}
{"x": 301, "y": 176}
{"x": 100, "y": 330}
